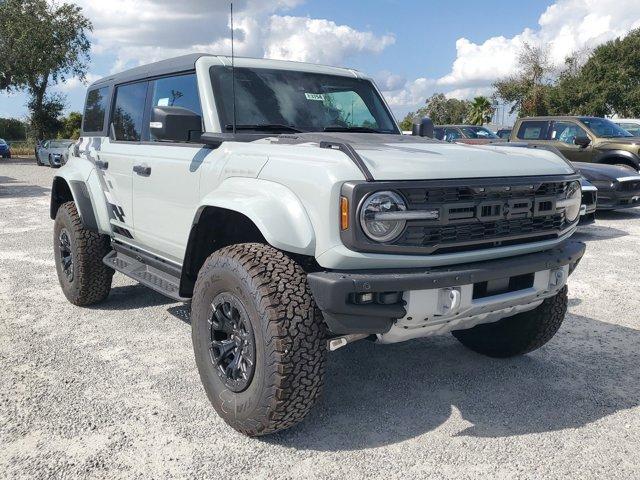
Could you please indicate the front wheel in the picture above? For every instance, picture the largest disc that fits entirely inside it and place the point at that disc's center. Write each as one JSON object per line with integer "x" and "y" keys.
{"x": 519, "y": 334}
{"x": 258, "y": 337}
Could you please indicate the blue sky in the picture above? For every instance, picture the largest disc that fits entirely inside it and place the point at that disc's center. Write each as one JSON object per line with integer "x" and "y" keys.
{"x": 412, "y": 48}
{"x": 425, "y": 31}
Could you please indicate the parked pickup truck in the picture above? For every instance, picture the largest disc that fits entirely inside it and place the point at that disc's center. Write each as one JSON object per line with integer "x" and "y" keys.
{"x": 282, "y": 201}
{"x": 581, "y": 139}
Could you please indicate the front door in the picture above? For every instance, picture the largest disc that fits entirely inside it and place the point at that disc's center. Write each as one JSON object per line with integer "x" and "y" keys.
{"x": 562, "y": 135}
{"x": 166, "y": 179}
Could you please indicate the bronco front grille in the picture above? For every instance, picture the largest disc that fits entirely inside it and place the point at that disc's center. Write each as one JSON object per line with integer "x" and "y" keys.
{"x": 476, "y": 233}
{"x": 479, "y": 214}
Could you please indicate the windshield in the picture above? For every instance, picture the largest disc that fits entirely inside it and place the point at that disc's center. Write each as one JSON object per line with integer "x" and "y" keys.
{"x": 477, "y": 132}
{"x": 604, "y": 128}
{"x": 289, "y": 101}
{"x": 60, "y": 143}
{"x": 632, "y": 128}
{"x": 2, "y": 142}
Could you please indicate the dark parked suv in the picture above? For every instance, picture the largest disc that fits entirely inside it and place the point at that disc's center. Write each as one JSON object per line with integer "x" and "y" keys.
{"x": 5, "y": 149}
{"x": 581, "y": 139}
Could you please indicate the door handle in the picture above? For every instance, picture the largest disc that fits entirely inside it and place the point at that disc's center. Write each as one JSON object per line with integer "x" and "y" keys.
{"x": 102, "y": 165}
{"x": 142, "y": 170}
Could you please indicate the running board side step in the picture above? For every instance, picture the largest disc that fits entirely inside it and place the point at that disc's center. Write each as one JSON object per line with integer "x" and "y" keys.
{"x": 162, "y": 282}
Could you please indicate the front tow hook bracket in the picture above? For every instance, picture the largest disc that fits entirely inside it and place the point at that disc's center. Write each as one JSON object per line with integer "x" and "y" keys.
{"x": 339, "y": 342}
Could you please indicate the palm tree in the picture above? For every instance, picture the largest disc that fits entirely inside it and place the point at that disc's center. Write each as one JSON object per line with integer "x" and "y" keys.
{"x": 481, "y": 111}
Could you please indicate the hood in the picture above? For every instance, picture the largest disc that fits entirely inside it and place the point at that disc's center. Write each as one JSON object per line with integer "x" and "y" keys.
{"x": 620, "y": 141}
{"x": 600, "y": 171}
{"x": 404, "y": 157}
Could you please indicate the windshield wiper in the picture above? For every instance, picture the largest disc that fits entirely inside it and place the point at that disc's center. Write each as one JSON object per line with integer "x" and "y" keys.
{"x": 338, "y": 128}
{"x": 265, "y": 127}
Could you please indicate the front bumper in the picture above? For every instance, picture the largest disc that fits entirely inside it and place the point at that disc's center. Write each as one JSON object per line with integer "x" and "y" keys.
{"x": 336, "y": 292}
{"x": 614, "y": 200}
{"x": 57, "y": 161}
{"x": 623, "y": 193}
{"x": 589, "y": 204}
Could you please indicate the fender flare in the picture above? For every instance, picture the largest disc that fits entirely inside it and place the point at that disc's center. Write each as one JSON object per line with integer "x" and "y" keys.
{"x": 60, "y": 191}
{"x": 631, "y": 157}
{"x": 274, "y": 209}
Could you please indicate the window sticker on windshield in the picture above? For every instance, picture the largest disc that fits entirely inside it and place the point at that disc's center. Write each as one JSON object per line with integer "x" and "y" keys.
{"x": 315, "y": 96}
{"x": 163, "y": 102}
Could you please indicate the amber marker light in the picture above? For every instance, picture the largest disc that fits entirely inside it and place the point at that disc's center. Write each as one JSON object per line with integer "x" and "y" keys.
{"x": 344, "y": 213}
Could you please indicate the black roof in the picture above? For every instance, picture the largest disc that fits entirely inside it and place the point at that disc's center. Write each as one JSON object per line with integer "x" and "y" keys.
{"x": 172, "y": 65}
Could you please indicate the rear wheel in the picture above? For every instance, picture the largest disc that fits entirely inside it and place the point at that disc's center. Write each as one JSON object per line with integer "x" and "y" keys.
{"x": 84, "y": 279}
{"x": 518, "y": 334}
{"x": 258, "y": 338}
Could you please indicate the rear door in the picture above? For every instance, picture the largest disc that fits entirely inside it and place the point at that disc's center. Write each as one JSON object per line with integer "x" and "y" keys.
{"x": 533, "y": 132}
{"x": 119, "y": 152}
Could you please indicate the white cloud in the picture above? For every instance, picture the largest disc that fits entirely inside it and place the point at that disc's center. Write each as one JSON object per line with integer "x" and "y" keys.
{"x": 318, "y": 41}
{"x": 74, "y": 83}
{"x": 389, "y": 81}
{"x": 412, "y": 93}
{"x": 566, "y": 26}
{"x": 142, "y": 31}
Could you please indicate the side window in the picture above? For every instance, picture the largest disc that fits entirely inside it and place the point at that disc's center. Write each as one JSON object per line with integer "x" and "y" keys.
{"x": 128, "y": 111}
{"x": 533, "y": 130}
{"x": 566, "y": 132}
{"x": 451, "y": 134}
{"x": 178, "y": 91}
{"x": 95, "y": 109}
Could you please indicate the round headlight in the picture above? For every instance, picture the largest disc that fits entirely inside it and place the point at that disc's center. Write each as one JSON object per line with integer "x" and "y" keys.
{"x": 573, "y": 201}
{"x": 377, "y": 216}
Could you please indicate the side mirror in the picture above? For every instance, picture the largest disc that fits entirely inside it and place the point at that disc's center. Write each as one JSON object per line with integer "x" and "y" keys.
{"x": 175, "y": 124}
{"x": 424, "y": 128}
{"x": 582, "y": 142}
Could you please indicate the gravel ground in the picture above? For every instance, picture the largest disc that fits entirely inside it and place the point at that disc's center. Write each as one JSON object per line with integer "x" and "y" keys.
{"x": 112, "y": 391}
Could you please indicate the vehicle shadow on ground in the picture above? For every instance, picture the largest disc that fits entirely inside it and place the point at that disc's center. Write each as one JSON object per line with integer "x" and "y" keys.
{"x": 379, "y": 395}
{"x": 12, "y": 188}
{"x": 130, "y": 297}
{"x": 605, "y": 215}
{"x": 597, "y": 232}
{"x": 182, "y": 312}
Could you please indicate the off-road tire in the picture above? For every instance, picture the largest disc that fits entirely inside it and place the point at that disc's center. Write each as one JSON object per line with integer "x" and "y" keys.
{"x": 91, "y": 281}
{"x": 290, "y": 337}
{"x": 519, "y": 334}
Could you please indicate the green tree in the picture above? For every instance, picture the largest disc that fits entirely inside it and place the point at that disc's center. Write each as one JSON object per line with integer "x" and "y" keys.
{"x": 12, "y": 129}
{"x": 528, "y": 89}
{"x": 441, "y": 110}
{"x": 42, "y": 44}
{"x": 71, "y": 126}
{"x": 480, "y": 111}
{"x": 607, "y": 83}
{"x": 47, "y": 115}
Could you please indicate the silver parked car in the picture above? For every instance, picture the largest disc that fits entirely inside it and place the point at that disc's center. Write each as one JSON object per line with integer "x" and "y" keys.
{"x": 53, "y": 152}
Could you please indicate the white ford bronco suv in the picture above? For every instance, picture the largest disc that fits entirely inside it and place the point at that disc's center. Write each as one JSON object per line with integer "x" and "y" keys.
{"x": 283, "y": 202}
